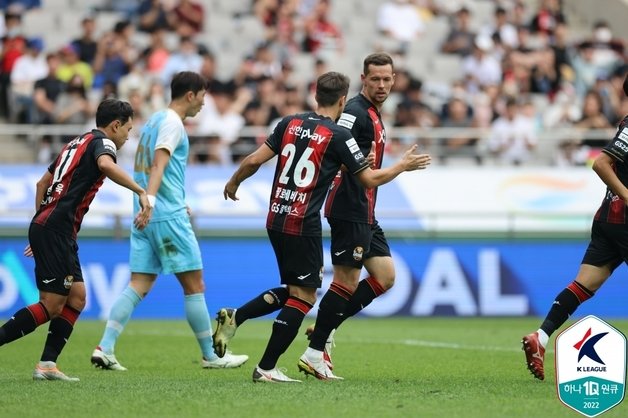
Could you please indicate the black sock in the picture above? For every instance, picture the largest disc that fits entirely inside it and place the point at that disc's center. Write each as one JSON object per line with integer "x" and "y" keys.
{"x": 59, "y": 332}
{"x": 24, "y": 322}
{"x": 331, "y": 310}
{"x": 268, "y": 302}
{"x": 564, "y": 305}
{"x": 367, "y": 290}
{"x": 285, "y": 329}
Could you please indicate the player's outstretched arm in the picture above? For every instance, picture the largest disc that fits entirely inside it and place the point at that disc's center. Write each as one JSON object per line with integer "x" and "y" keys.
{"x": 248, "y": 167}
{"x": 109, "y": 168}
{"x": 409, "y": 162}
{"x": 603, "y": 167}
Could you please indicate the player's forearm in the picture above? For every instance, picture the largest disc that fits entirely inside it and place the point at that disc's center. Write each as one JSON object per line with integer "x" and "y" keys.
{"x": 603, "y": 168}
{"x": 247, "y": 168}
{"x": 119, "y": 176}
{"x": 375, "y": 178}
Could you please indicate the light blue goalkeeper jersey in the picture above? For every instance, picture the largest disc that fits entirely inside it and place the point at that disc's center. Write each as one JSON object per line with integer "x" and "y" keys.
{"x": 164, "y": 130}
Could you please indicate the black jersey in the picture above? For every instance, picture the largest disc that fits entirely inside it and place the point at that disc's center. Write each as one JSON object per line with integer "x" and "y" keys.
{"x": 311, "y": 148}
{"x": 613, "y": 208}
{"x": 348, "y": 199}
{"x": 75, "y": 180}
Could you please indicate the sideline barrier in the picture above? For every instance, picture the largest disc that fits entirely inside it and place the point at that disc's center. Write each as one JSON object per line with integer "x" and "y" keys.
{"x": 434, "y": 278}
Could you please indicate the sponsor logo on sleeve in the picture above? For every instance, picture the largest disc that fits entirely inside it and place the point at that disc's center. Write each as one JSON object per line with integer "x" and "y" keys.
{"x": 109, "y": 145}
{"x": 346, "y": 120}
{"x": 353, "y": 146}
{"x": 621, "y": 145}
{"x": 623, "y": 135}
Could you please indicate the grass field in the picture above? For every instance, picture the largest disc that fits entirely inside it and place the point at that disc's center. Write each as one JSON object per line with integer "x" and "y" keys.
{"x": 472, "y": 368}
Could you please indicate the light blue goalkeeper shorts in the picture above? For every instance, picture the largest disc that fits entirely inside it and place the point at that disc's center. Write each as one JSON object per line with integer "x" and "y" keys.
{"x": 168, "y": 246}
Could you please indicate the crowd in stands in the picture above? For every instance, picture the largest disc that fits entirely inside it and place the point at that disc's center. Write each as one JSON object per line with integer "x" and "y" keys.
{"x": 511, "y": 62}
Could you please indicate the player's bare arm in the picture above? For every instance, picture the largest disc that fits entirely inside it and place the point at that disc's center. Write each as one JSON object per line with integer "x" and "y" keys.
{"x": 248, "y": 167}
{"x": 161, "y": 160}
{"x": 409, "y": 162}
{"x": 603, "y": 167}
{"x": 113, "y": 171}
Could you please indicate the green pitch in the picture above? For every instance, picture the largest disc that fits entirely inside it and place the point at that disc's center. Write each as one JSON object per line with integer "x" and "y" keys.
{"x": 393, "y": 368}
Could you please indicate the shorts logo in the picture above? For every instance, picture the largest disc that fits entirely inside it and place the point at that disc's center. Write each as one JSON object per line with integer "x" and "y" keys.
{"x": 67, "y": 282}
{"x": 358, "y": 252}
{"x": 591, "y": 366}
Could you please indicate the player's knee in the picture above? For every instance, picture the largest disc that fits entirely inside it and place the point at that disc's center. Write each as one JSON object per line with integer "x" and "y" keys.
{"x": 386, "y": 281}
{"x": 77, "y": 303}
{"x": 54, "y": 308}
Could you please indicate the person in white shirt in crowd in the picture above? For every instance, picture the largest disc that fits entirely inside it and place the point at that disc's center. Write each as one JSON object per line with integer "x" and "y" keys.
{"x": 481, "y": 68}
{"x": 512, "y": 139}
{"x": 27, "y": 69}
{"x": 400, "y": 20}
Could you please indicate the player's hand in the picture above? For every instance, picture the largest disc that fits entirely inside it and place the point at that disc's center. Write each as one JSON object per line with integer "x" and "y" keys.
{"x": 142, "y": 218}
{"x": 188, "y": 209}
{"x": 28, "y": 252}
{"x": 412, "y": 161}
{"x": 371, "y": 157}
{"x": 230, "y": 191}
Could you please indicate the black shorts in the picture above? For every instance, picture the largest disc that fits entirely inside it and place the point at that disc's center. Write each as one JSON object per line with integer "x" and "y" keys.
{"x": 300, "y": 259}
{"x": 57, "y": 264}
{"x": 353, "y": 242}
{"x": 608, "y": 246}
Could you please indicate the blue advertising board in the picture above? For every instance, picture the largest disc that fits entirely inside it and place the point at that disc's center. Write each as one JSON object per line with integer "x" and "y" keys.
{"x": 434, "y": 278}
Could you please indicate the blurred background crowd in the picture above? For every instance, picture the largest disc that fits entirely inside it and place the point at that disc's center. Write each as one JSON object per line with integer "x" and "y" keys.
{"x": 510, "y": 82}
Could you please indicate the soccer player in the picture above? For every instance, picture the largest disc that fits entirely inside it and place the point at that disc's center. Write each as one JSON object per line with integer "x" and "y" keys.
{"x": 311, "y": 150}
{"x": 357, "y": 240}
{"x": 168, "y": 243}
{"x": 63, "y": 195}
{"x": 607, "y": 249}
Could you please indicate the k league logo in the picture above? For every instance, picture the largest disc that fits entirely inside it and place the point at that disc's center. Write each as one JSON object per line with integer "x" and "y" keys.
{"x": 591, "y": 366}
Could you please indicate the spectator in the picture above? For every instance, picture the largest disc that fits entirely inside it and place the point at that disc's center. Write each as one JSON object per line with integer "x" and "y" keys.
{"x": 134, "y": 81}
{"x": 12, "y": 47}
{"x": 562, "y": 53}
{"x": 187, "y": 18}
{"x": 400, "y": 20}
{"x": 502, "y": 28}
{"x": 593, "y": 118}
{"x": 512, "y": 138}
{"x": 481, "y": 68}
{"x": 222, "y": 121}
{"x": 548, "y": 16}
{"x": 156, "y": 54}
{"x": 86, "y": 45}
{"x": 27, "y": 69}
{"x": 460, "y": 144}
{"x": 185, "y": 58}
{"x": 244, "y": 145}
{"x": 72, "y": 106}
{"x": 72, "y": 66}
{"x": 571, "y": 153}
{"x": 110, "y": 63}
{"x": 19, "y": 6}
{"x": 322, "y": 36}
{"x": 47, "y": 90}
{"x": 460, "y": 38}
{"x": 152, "y": 15}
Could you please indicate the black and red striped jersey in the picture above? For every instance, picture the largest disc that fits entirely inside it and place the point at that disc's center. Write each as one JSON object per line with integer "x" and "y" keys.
{"x": 347, "y": 198}
{"x": 311, "y": 148}
{"x": 613, "y": 208}
{"x": 75, "y": 180}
